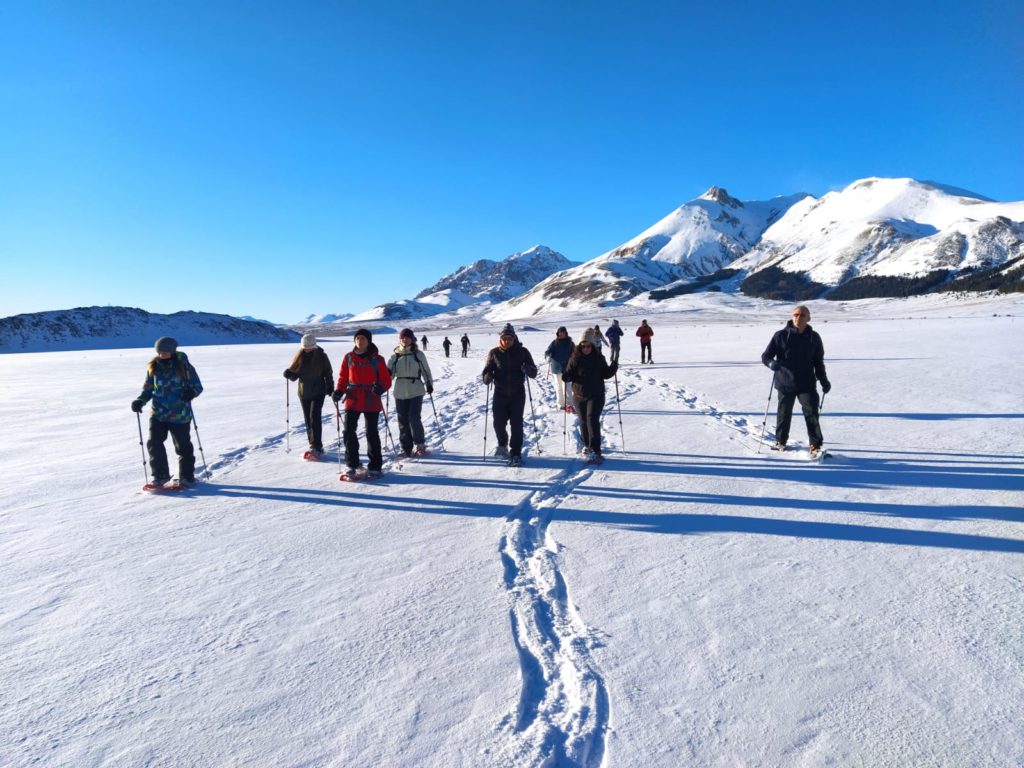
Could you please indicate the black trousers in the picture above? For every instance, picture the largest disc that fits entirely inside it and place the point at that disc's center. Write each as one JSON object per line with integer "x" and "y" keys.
{"x": 809, "y": 405}
{"x": 410, "y": 425}
{"x": 312, "y": 412}
{"x": 464, "y": 351}
{"x": 508, "y": 412}
{"x": 614, "y": 354}
{"x": 373, "y": 452}
{"x": 589, "y": 411}
{"x": 645, "y": 346}
{"x": 182, "y": 440}
{"x": 447, "y": 351}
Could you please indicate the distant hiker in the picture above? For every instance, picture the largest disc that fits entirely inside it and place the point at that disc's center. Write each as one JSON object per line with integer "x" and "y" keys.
{"x": 411, "y": 374}
{"x": 312, "y": 369}
{"x": 171, "y": 383}
{"x": 423, "y": 341}
{"x": 447, "y": 344}
{"x": 797, "y": 356}
{"x": 363, "y": 378}
{"x": 465, "y": 344}
{"x": 587, "y": 371}
{"x": 598, "y": 339}
{"x": 557, "y": 353}
{"x": 507, "y": 367}
{"x": 614, "y": 336}
{"x": 645, "y": 332}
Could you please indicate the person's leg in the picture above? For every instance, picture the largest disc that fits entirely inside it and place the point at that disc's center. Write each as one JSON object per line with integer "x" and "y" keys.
{"x": 416, "y": 420}
{"x": 614, "y": 354}
{"x": 500, "y": 414}
{"x": 307, "y": 417}
{"x": 373, "y": 450}
{"x": 560, "y": 391}
{"x": 182, "y": 439}
{"x": 351, "y": 440}
{"x": 157, "y": 452}
{"x": 316, "y": 420}
{"x": 595, "y": 407}
{"x": 516, "y": 407}
{"x": 404, "y": 432}
{"x": 581, "y": 417}
{"x": 809, "y": 405}
{"x": 783, "y": 416}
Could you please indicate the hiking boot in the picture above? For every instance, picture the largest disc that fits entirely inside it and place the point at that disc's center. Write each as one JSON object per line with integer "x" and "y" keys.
{"x": 374, "y": 474}
{"x": 501, "y": 452}
{"x": 779, "y": 446}
{"x": 420, "y": 449}
{"x": 350, "y": 472}
{"x": 515, "y": 461}
{"x": 814, "y": 451}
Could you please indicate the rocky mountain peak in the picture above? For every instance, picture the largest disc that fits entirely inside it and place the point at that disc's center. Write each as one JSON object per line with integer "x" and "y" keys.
{"x": 721, "y": 196}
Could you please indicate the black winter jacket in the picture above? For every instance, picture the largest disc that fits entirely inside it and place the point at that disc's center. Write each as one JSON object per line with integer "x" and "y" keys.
{"x": 315, "y": 376}
{"x": 505, "y": 369}
{"x": 587, "y": 374}
{"x": 801, "y": 358}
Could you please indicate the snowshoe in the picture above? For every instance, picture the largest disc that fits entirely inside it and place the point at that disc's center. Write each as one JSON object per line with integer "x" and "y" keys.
{"x": 421, "y": 450}
{"x": 501, "y": 452}
{"x": 158, "y": 486}
{"x": 350, "y": 474}
{"x": 779, "y": 446}
{"x": 313, "y": 454}
{"x": 595, "y": 458}
{"x": 515, "y": 461}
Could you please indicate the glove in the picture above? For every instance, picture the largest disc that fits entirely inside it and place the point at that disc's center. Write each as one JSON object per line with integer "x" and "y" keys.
{"x": 488, "y": 378}
{"x": 330, "y": 393}
{"x": 826, "y": 387}
{"x": 289, "y": 374}
{"x": 137, "y": 405}
{"x": 613, "y": 368}
{"x": 379, "y": 389}
{"x": 188, "y": 395}
{"x": 337, "y": 396}
{"x": 774, "y": 365}
{"x": 430, "y": 389}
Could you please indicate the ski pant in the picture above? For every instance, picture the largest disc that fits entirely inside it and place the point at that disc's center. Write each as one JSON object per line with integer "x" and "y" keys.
{"x": 809, "y": 405}
{"x": 508, "y": 410}
{"x": 563, "y": 390}
{"x": 589, "y": 411}
{"x": 613, "y": 354}
{"x": 447, "y": 351}
{"x": 464, "y": 351}
{"x": 410, "y": 425}
{"x": 373, "y": 451}
{"x": 312, "y": 412}
{"x": 181, "y": 438}
{"x": 645, "y": 347}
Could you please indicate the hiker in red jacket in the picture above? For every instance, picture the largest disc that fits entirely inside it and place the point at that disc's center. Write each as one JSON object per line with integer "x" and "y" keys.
{"x": 363, "y": 378}
{"x": 645, "y": 332}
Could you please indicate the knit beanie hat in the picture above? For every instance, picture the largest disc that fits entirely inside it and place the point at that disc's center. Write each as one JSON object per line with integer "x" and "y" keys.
{"x": 587, "y": 336}
{"x": 166, "y": 344}
{"x": 406, "y": 333}
{"x": 308, "y": 340}
{"x": 508, "y": 330}
{"x": 364, "y": 332}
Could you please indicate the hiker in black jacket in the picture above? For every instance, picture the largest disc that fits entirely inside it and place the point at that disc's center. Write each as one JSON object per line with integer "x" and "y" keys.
{"x": 797, "y": 356}
{"x": 507, "y": 367}
{"x": 587, "y": 371}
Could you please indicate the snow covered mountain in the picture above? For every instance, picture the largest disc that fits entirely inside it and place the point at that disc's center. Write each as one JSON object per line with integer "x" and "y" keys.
{"x": 127, "y": 327}
{"x": 696, "y": 239}
{"x": 483, "y": 282}
{"x": 881, "y": 237}
{"x": 326, "y": 318}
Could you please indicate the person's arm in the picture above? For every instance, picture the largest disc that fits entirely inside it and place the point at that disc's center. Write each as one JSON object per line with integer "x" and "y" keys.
{"x": 819, "y": 365}
{"x": 769, "y": 355}
{"x": 529, "y": 367}
{"x": 428, "y": 377}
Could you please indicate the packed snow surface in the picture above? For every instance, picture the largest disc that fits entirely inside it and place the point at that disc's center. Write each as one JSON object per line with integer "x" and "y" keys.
{"x": 696, "y": 600}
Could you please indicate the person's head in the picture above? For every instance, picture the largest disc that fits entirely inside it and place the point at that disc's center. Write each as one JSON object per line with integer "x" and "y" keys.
{"x": 597, "y": 328}
{"x": 615, "y": 322}
{"x": 308, "y": 342}
{"x": 643, "y": 322}
{"x": 362, "y": 340}
{"x": 562, "y": 332}
{"x": 406, "y": 338}
{"x": 586, "y": 344}
{"x": 165, "y": 347}
{"x": 507, "y": 337}
{"x": 801, "y": 317}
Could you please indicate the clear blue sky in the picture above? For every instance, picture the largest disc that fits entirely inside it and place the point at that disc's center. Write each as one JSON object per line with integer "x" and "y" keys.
{"x": 280, "y": 159}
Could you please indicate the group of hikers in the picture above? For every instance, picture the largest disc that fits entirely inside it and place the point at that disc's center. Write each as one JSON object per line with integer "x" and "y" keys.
{"x": 795, "y": 354}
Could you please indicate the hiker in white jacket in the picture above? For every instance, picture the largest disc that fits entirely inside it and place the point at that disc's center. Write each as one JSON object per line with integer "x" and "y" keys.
{"x": 412, "y": 379}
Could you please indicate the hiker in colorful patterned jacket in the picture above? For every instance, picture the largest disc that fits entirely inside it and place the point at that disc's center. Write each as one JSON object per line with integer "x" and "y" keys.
{"x": 171, "y": 384}
{"x": 411, "y": 374}
{"x": 587, "y": 371}
{"x": 312, "y": 369}
{"x": 362, "y": 379}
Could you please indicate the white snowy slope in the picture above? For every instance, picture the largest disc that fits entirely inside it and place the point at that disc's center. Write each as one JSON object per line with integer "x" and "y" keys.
{"x": 696, "y": 239}
{"x": 330, "y": 317}
{"x": 889, "y": 227}
{"x": 482, "y": 283}
{"x": 696, "y": 600}
{"x": 118, "y": 327}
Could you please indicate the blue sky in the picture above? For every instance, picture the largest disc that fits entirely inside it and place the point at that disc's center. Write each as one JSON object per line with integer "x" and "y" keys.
{"x": 281, "y": 159}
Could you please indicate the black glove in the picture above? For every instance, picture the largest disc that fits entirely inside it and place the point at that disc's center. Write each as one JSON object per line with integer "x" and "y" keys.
{"x": 488, "y": 378}
{"x": 774, "y": 365}
{"x": 330, "y": 393}
{"x": 379, "y": 389}
{"x": 337, "y": 396}
{"x": 613, "y": 368}
{"x": 529, "y": 370}
{"x": 289, "y": 374}
{"x": 137, "y": 405}
{"x": 188, "y": 395}
{"x": 430, "y": 389}
{"x": 826, "y": 387}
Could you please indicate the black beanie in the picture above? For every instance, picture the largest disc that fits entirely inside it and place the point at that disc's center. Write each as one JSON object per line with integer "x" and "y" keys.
{"x": 363, "y": 332}
{"x": 166, "y": 344}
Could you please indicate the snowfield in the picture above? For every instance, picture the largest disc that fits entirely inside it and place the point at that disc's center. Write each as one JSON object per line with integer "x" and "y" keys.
{"x": 696, "y": 600}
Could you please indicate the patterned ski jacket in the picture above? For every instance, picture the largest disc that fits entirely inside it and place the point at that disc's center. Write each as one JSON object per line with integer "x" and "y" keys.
{"x": 410, "y": 372}
{"x": 166, "y": 383}
{"x": 357, "y": 378}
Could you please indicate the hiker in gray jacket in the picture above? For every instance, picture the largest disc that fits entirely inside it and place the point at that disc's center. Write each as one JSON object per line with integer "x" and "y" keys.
{"x": 412, "y": 379}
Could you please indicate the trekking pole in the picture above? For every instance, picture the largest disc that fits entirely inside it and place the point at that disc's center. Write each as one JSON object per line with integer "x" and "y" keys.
{"x": 287, "y": 417}
{"x": 764, "y": 424}
{"x": 533, "y": 414}
{"x": 821, "y": 405}
{"x": 145, "y": 471}
{"x": 565, "y": 425}
{"x": 618, "y": 405}
{"x": 387, "y": 427}
{"x": 199, "y": 440}
{"x": 337, "y": 423}
{"x": 440, "y": 433}
{"x": 487, "y": 410}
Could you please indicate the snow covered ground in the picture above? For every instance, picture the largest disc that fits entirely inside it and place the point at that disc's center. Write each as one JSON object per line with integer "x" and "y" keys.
{"x": 691, "y": 602}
